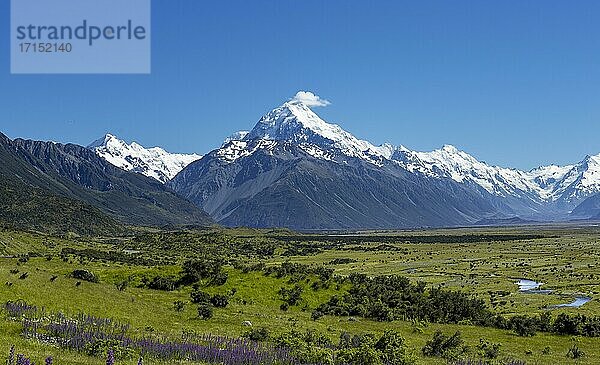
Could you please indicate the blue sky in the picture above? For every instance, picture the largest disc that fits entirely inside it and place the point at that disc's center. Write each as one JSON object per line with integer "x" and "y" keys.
{"x": 515, "y": 83}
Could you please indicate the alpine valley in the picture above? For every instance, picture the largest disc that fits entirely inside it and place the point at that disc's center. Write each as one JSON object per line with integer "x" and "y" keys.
{"x": 295, "y": 170}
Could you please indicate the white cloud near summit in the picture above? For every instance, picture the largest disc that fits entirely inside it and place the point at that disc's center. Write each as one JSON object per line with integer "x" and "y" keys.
{"x": 309, "y": 99}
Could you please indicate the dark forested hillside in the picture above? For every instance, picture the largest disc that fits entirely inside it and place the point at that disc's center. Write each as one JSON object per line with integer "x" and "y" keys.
{"x": 72, "y": 172}
{"x": 26, "y": 201}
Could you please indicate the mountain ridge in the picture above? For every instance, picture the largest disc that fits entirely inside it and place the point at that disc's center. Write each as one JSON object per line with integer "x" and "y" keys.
{"x": 295, "y": 170}
{"x": 27, "y": 201}
{"x": 153, "y": 162}
{"x": 554, "y": 189}
{"x": 285, "y": 186}
{"x": 77, "y": 173}
{"x": 544, "y": 194}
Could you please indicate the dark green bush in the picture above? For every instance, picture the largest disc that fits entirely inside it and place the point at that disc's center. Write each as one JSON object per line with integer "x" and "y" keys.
{"x": 196, "y": 270}
{"x": 292, "y": 295}
{"x": 523, "y": 325}
{"x": 219, "y": 300}
{"x": 165, "y": 283}
{"x": 257, "y": 334}
{"x": 488, "y": 350}
{"x": 388, "y": 298}
{"x": 575, "y": 352}
{"x": 205, "y": 311}
{"x": 448, "y": 347}
{"x": 198, "y": 297}
{"x": 179, "y": 305}
{"x": 84, "y": 275}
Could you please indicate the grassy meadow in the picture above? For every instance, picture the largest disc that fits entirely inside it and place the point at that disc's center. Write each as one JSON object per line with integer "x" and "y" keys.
{"x": 565, "y": 259}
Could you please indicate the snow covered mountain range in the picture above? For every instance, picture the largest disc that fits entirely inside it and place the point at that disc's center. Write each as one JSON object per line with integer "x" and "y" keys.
{"x": 558, "y": 188}
{"x": 551, "y": 190}
{"x": 292, "y": 158}
{"x": 153, "y": 162}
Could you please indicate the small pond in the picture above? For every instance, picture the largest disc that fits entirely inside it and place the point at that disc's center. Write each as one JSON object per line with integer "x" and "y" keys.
{"x": 531, "y": 287}
{"x": 578, "y": 302}
{"x": 528, "y": 286}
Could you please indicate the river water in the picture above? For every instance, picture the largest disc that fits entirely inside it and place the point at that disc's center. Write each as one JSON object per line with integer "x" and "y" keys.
{"x": 533, "y": 287}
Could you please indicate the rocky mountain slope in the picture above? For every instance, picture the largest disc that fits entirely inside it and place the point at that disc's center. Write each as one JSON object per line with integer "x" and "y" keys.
{"x": 589, "y": 208}
{"x": 78, "y": 174}
{"x": 28, "y": 200}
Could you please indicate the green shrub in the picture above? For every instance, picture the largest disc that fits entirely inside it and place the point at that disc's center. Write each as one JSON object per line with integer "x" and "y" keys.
{"x": 316, "y": 315}
{"x": 164, "y": 283}
{"x": 219, "y": 279}
{"x": 575, "y": 352}
{"x": 199, "y": 297}
{"x": 84, "y": 275}
{"x": 488, "y": 350}
{"x": 257, "y": 334}
{"x": 448, "y": 347}
{"x": 523, "y": 325}
{"x": 291, "y": 296}
{"x": 393, "y": 349}
{"x": 99, "y": 348}
{"x": 387, "y": 298}
{"x": 219, "y": 300}
{"x": 309, "y": 347}
{"x": 205, "y": 311}
{"x": 196, "y": 270}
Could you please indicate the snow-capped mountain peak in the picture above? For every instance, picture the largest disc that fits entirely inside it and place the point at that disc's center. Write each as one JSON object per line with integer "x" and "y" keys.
{"x": 592, "y": 175}
{"x": 105, "y": 140}
{"x": 552, "y": 183}
{"x": 460, "y": 166}
{"x": 549, "y": 177}
{"x": 295, "y": 122}
{"x": 153, "y": 162}
{"x": 580, "y": 180}
{"x": 448, "y": 148}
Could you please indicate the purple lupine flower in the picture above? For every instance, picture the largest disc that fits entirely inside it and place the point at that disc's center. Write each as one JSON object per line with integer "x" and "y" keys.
{"x": 49, "y": 360}
{"x": 22, "y": 360}
{"x": 110, "y": 360}
{"x": 79, "y": 332}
